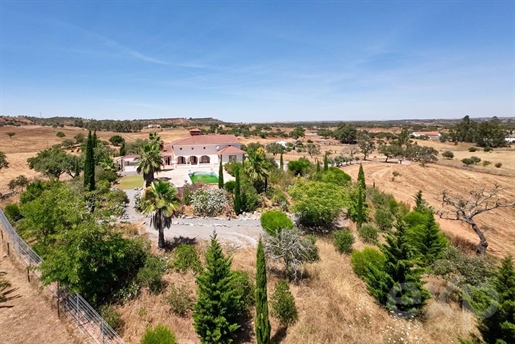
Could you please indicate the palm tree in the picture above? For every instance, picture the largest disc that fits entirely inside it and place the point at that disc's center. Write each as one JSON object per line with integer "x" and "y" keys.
{"x": 150, "y": 162}
{"x": 160, "y": 201}
{"x": 154, "y": 138}
{"x": 255, "y": 167}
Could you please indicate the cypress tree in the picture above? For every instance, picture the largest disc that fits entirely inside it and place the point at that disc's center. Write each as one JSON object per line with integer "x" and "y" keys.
{"x": 86, "y": 162}
{"x": 217, "y": 310}
{"x": 500, "y": 326}
{"x": 398, "y": 286}
{"x": 123, "y": 149}
{"x": 361, "y": 177}
{"x": 318, "y": 166}
{"x": 361, "y": 216}
{"x": 281, "y": 162}
{"x": 220, "y": 175}
{"x": 262, "y": 321}
{"x": 326, "y": 162}
{"x": 237, "y": 191}
{"x": 89, "y": 164}
{"x": 429, "y": 241}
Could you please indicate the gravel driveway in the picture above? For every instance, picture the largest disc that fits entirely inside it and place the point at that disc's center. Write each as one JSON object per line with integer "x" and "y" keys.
{"x": 242, "y": 231}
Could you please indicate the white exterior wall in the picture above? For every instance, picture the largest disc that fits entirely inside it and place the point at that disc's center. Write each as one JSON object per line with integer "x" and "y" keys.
{"x": 225, "y": 158}
{"x": 198, "y": 151}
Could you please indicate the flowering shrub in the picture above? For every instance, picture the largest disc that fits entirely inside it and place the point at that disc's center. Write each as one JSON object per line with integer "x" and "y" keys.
{"x": 211, "y": 202}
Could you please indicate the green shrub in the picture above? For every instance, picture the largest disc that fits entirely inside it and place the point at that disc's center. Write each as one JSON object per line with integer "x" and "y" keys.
{"x": 150, "y": 275}
{"x": 384, "y": 219}
{"x": 336, "y": 176}
{"x": 109, "y": 176}
{"x": 488, "y": 149}
{"x": 60, "y": 134}
{"x": 158, "y": 335}
{"x": 461, "y": 269}
{"x": 283, "y": 304}
{"x": 472, "y": 149}
{"x": 180, "y": 300}
{"x": 117, "y": 197}
{"x": 498, "y": 164}
{"x": 448, "y": 154}
{"x": 475, "y": 159}
{"x": 186, "y": 258}
{"x": 362, "y": 260}
{"x": 245, "y": 290}
{"x": 12, "y": 211}
{"x": 368, "y": 233}
{"x": 111, "y": 316}
{"x": 467, "y": 161}
{"x": 278, "y": 198}
{"x": 275, "y": 220}
{"x": 230, "y": 185}
{"x": 343, "y": 240}
{"x": 486, "y": 163}
{"x": 299, "y": 167}
{"x": 249, "y": 197}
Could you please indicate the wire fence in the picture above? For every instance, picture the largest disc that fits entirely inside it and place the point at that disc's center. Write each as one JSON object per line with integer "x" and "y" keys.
{"x": 88, "y": 321}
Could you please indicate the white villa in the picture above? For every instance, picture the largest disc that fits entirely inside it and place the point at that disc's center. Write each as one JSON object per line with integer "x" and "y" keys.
{"x": 203, "y": 150}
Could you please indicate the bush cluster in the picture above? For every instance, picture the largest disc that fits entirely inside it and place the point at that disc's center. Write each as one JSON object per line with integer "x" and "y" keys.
{"x": 273, "y": 221}
{"x": 150, "y": 275}
{"x": 180, "y": 300}
{"x": 158, "y": 335}
{"x": 210, "y": 202}
{"x": 112, "y": 317}
{"x": 186, "y": 258}
{"x": 368, "y": 233}
{"x": 362, "y": 260}
{"x": 343, "y": 240}
{"x": 283, "y": 304}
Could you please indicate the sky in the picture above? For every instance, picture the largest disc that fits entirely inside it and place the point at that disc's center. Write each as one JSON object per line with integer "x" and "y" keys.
{"x": 258, "y": 61}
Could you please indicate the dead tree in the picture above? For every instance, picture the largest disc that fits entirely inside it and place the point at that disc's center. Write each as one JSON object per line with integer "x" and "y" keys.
{"x": 465, "y": 208}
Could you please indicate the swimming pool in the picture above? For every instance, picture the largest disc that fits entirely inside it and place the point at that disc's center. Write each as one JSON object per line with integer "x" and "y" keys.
{"x": 203, "y": 177}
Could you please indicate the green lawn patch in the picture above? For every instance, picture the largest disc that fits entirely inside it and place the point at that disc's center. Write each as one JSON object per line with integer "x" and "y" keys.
{"x": 130, "y": 182}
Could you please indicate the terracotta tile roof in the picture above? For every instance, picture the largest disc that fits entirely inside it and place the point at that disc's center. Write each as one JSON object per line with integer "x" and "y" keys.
{"x": 230, "y": 150}
{"x": 207, "y": 140}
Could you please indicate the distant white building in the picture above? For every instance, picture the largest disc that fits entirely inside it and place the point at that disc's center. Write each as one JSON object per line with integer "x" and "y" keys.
{"x": 285, "y": 143}
{"x": 510, "y": 138}
{"x": 432, "y": 135}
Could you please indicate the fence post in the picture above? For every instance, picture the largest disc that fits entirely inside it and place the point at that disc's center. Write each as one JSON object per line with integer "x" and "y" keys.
{"x": 28, "y": 273}
{"x": 77, "y": 297}
{"x": 8, "y": 250}
{"x": 58, "y": 298}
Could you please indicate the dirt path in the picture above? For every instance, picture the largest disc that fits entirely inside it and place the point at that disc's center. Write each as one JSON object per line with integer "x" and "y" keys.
{"x": 28, "y": 318}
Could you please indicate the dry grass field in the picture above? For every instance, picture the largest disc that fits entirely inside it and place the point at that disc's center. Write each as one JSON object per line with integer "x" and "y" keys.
{"x": 28, "y": 318}
{"x": 334, "y": 308}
